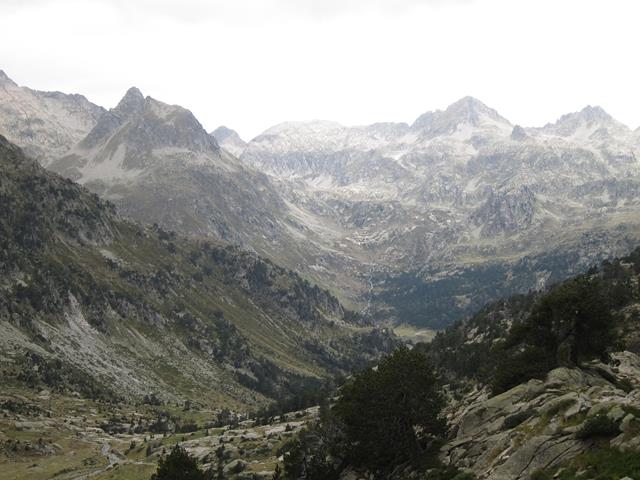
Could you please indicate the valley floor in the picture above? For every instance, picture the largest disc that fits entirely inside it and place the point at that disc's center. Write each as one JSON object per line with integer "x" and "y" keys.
{"x": 44, "y": 435}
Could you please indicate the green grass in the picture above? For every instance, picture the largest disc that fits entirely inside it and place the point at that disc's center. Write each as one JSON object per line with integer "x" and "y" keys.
{"x": 602, "y": 464}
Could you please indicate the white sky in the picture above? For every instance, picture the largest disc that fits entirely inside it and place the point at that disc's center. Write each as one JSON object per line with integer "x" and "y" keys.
{"x": 250, "y": 64}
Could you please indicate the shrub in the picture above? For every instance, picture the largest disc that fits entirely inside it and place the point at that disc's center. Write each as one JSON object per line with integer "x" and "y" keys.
{"x": 602, "y": 463}
{"x": 570, "y": 324}
{"x": 516, "y": 419}
{"x": 598, "y": 426}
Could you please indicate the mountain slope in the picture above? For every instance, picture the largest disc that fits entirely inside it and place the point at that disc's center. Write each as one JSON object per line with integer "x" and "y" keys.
{"x": 45, "y": 124}
{"x": 108, "y": 308}
{"x": 158, "y": 165}
{"x": 461, "y": 201}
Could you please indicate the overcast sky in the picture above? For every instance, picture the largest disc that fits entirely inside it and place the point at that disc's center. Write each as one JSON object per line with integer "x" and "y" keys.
{"x": 250, "y": 64}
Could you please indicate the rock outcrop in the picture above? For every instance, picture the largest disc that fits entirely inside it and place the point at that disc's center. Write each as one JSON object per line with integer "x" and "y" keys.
{"x": 541, "y": 424}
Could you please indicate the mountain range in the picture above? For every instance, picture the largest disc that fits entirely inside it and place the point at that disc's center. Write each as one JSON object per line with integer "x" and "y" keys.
{"x": 158, "y": 282}
{"x": 416, "y": 223}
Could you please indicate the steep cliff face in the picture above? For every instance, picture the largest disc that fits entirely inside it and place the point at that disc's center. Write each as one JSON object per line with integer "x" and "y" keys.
{"x": 506, "y": 212}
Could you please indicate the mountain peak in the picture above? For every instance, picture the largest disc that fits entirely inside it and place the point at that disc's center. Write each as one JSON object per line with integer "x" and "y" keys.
{"x": 468, "y": 102}
{"x": 132, "y": 102}
{"x": 595, "y": 113}
{"x": 222, "y": 133}
{"x": 134, "y": 92}
{"x": 471, "y": 110}
{"x": 4, "y": 79}
{"x": 466, "y": 111}
{"x": 589, "y": 119}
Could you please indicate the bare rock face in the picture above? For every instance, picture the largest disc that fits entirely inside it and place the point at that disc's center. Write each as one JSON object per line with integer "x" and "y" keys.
{"x": 506, "y": 212}
{"x": 540, "y": 424}
{"x": 44, "y": 124}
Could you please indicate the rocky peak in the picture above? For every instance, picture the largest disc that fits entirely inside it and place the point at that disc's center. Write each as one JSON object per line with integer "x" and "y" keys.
{"x": 45, "y": 124}
{"x": 133, "y": 102}
{"x": 471, "y": 110}
{"x": 589, "y": 119}
{"x": 229, "y": 140}
{"x": 5, "y": 80}
{"x": 140, "y": 132}
{"x": 595, "y": 114}
{"x": 466, "y": 111}
{"x": 222, "y": 133}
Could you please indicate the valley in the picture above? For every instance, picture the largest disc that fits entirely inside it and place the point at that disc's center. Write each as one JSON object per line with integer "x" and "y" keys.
{"x": 162, "y": 286}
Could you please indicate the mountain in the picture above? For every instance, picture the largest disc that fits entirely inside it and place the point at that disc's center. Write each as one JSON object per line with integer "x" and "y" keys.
{"x": 229, "y": 140}
{"x": 95, "y": 304}
{"x": 408, "y": 223}
{"x": 159, "y": 165}
{"x": 45, "y": 124}
{"x": 585, "y": 123}
{"x": 461, "y": 201}
{"x": 467, "y": 112}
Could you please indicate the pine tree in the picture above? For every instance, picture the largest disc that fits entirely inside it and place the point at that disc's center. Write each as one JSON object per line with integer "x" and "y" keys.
{"x": 390, "y": 414}
{"x": 178, "y": 465}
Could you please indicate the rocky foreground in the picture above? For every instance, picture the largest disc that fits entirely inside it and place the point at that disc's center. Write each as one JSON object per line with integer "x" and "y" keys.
{"x": 541, "y": 424}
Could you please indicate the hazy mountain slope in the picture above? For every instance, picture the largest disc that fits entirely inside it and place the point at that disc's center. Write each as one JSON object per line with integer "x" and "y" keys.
{"x": 461, "y": 206}
{"x": 467, "y": 350}
{"x": 108, "y": 308}
{"x": 158, "y": 165}
{"x": 45, "y": 124}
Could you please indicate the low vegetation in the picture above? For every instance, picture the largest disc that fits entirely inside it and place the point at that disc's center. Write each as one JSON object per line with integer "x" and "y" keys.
{"x": 524, "y": 337}
{"x": 600, "y": 464}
